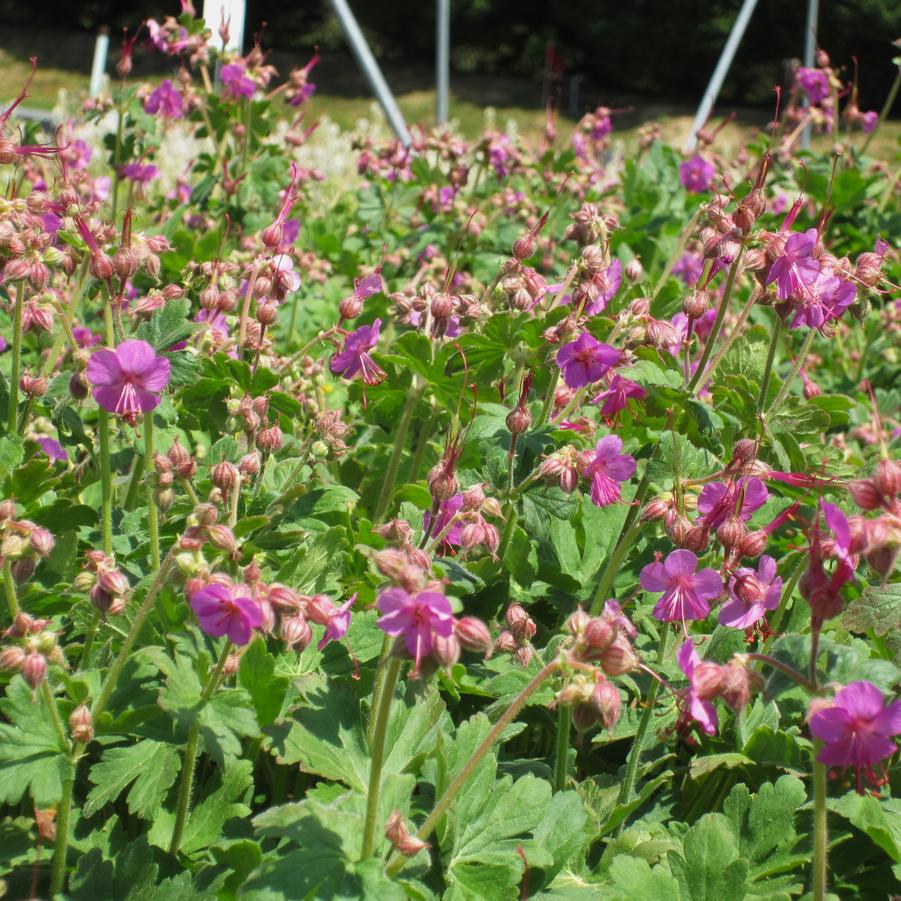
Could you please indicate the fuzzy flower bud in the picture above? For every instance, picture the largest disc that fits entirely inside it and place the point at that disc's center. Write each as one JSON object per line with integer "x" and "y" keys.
{"x": 81, "y": 724}
{"x": 473, "y": 635}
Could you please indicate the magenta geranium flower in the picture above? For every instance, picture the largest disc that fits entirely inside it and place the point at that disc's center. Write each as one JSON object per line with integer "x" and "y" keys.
{"x": 608, "y": 468}
{"x": 615, "y": 397}
{"x": 696, "y": 174}
{"x": 814, "y": 83}
{"x": 338, "y": 622}
{"x": 165, "y": 101}
{"x": 235, "y": 84}
{"x": 718, "y": 500}
{"x": 701, "y": 711}
{"x": 751, "y": 594}
{"x": 604, "y": 286}
{"x": 226, "y": 610}
{"x": 795, "y": 270}
{"x": 585, "y": 360}
{"x": 416, "y": 617}
{"x": 128, "y": 380}
{"x": 354, "y": 358}
{"x": 827, "y": 297}
{"x": 447, "y": 510}
{"x": 53, "y": 449}
{"x": 685, "y": 592}
{"x": 857, "y": 728}
{"x": 140, "y": 173}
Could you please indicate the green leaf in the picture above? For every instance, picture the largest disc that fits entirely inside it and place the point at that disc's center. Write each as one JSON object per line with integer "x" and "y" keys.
{"x": 222, "y": 798}
{"x": 879, "y": 609}
{"x": 521, "y": 559}
{"x": 307, "y": 569}
{"x": 879, "y": 818}
{"x": 703, "y": 765}
{"x": 641, "y": 882}
{"x": 12, "y": 452}
{"x": 710, "y": 868}
{"x": 327, "y": 736}
{"x": 153, "y": 767}
{"x": 168, "y": 326}
{"x": 256, "y": 675}
{"x": 31, "y": 756}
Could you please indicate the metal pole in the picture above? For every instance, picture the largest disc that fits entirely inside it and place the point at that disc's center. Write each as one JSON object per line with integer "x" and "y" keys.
{"x": 366, "y": 61}
{"x": 442, "y": 61}
{"x": 234, "y": 12}
{"x": 98, "y": 65}
{"x": 721, "y": 71}
{"x": 810, "y": 45}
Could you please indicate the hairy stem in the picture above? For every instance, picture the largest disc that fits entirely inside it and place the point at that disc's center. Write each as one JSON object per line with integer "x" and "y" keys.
{"x": 768, "y": 368}
{"x": 16, "y": 361}
{"x": 9, "y": 587}
{"x": 396, "y": 453}
{"x": 820, "y": 830}
{"x": 796, "y": 368}
{"x": 561, "y": 753}
{"x": 106, "y": 482}
{"x": 153, "y": 525}
{"x": 625, "y": 791}
{"x": 431, "y": 821}
{"x": 187, "y": 770}
{"x": 377, "y": 756}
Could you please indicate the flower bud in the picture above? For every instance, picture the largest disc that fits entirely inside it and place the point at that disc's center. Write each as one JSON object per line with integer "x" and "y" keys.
{"x": 519, "y": 622}
{"x": 350, "y": 307}
{"x": 619, "y": 658}
{"x": 272, "y": 235}
{"x": 399, "y": 836}
{"x": 696, "y": 304}
{"x": 270, "y": 440}
{"x": 634, "y": 270}
{"x": 473, "y": 498}
{"x": 473, "y": 635}
{"x": 222, "y": 538}
{"x": 81, "y": 725}
{"x": 41, "y": 541}
{"x": 295, "y": 631}
{"x": 320, "y": 609}
{"x": 607, "y": 704}
{"x": 225, "y": 476}
{"x": 888, "y": 477}
{"x": 524, "y": 654}
{"x": 519, "y": 420}
{"x": 598, "y": 635}
{"x": 707, "y": 680}
{"x": 34, "y": 669}
{"x": 731, "y": 532}
{"x": 442, "y": 484}
{"x": 445, "y": 649}
{"x": 506, "y": 642}
{"x": 267, "y": 312}
{"x": 865, "y": 494}
{"x": 11, "y": 658}
{"x": 738, "y": 683}
{"x": 524, "y": 246}
{"x": 696, "y": 539}
{"x": 753, "y": 544}
{"x": 577, "y": 622}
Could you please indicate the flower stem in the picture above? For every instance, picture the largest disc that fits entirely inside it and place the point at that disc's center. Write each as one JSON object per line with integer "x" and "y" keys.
{"x": 796, "y": 368}
{"x": 768, "y": 368}
{"x": 564, "y": 721}
{"x": 106, "y": 482}
{"x": 548, "y": 399}
{"x": 789, "y": 671}
{"x": 718, "y": 322}
{"x": 58, "y": 867}
{"x": 630, "y": 531}
{"x": 9, "y": 587}
{"x": 377, "y": 752}
{"x": 377, "y": 683}
{"x": 625, "y": 791}
{"x": 820, "y": 830}
{"x": 13, "y": 411}
{"x": 431, "y": 821}
{"x": 54, "y": 716}
{"x": 187, "y": 770}
{"x": 680, "y": 247}
{"x": 153, "y": 525}
{"x": 397, "y": 451}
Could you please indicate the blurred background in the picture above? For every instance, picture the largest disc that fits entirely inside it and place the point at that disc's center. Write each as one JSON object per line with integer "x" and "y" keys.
{"x": 513, "y": 55}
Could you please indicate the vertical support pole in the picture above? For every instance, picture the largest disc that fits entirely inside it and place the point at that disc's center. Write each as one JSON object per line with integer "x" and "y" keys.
{"x": 98, "y": 64}
{"x": 366, "y": 61}
{"x": 234, "y": 12}
{"x": 442, "y": 61}
{"x": 721, "y": 71}
{"x": 810, "y": 46}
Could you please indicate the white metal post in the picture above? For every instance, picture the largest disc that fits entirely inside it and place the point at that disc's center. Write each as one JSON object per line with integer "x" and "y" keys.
{"x": 98, "y": 64}
{"x": 371, "y": 70}
{"x": 234, "y": 12}
{"x": 810, "y": 46}
{"x": 442, "y": 61}
{"x": 721, "y": 71}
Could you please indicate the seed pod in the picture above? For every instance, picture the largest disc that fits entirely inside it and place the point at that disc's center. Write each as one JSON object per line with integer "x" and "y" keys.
{"x": 888, "y": 477}
{"x": 865, "y": 494}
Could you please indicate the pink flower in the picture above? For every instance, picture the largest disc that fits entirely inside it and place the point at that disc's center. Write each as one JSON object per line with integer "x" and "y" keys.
{"x": 585, "y": 360}
{"x": 696, "y": 174}
{"x": 235, "y": 83}
{"x": 129, "y": 379}
{"x": 685, "y": 592}
{"x": 718, "y": 501}
{"x": 827, "y": 297}
{"x": 814, "y": 83}
{"x": 284, "y": 268}
{"x": 608, "y": 468}
{"x": 868, "y": 121}
{"x": 85, "y": 337}
{"x": 140, "y": 173}
{"x": 226, "y": 610}
{"x": 689, "y": 267}
{"x": 53, "y": 449}
{"x": 795, "y": 270}
{"x": 447, "y": 510}
{"x": 354, "y": 358}
{"x": 416, "y": 617}
{"x": 603, "y": 287}
{"x": 701, "y": 711}
{"x": 338, "y": 622}
{"x": 617, "y": 395}
{"x": 751, "y": 594}
{"x": 166, "y": 101}
{"x": 857, "y": 728}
